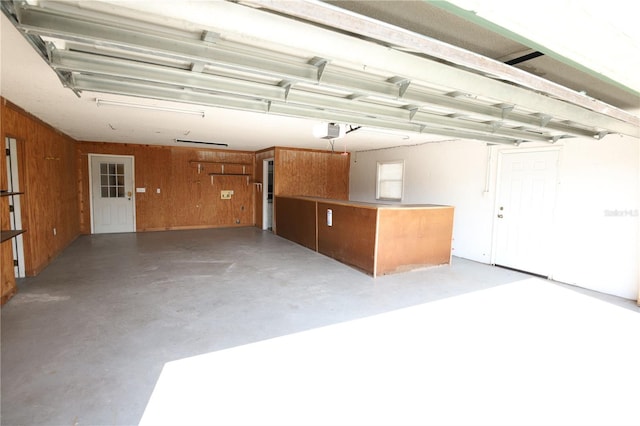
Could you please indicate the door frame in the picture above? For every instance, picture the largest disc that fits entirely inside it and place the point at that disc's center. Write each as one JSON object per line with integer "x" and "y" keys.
{"x": 496, "y": 201}
{"x": 265, "y": 192}
{"x": 15, "y": 218}
{"x": 133, "y": 185}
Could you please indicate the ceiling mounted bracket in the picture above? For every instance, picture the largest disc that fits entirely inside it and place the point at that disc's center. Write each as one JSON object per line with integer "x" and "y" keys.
{"x": 556, "y": 138}
{"x": 286, "y": 85}
{"x": 544, "y": 119}
{"x": 456, "y": 115}
{"x": 320, "y": 64}
{"x": 495, "y": 125}
{"x": 458, "y": 94}
{"x": 402, "y": 83}
{"x": 413, "y": 109}
{"x": 601, "y": 135}
{"x": 197, "y": 67}
{"x": 506, "y": 109}
{"x": 50, "y": 47}
{"x": 210, "y": 36}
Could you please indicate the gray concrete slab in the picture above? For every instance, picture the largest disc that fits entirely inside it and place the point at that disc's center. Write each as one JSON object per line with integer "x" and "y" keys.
{"x": 84, "y": 342}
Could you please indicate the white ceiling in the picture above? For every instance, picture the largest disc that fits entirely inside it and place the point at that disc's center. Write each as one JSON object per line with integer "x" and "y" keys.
{"x": 28, "y": 81}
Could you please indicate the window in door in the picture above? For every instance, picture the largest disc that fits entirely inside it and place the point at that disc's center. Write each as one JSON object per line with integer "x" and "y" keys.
{"x": 112, "y": 180}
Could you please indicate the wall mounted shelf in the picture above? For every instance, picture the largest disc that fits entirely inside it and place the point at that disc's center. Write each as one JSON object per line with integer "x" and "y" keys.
{"x": 230, "y": 174}
{"x": 7, "y": 235}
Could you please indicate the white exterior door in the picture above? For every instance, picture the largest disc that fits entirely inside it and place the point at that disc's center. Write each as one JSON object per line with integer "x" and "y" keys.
{"x": 526, "y": 194}
{"x": 112, "y": 196}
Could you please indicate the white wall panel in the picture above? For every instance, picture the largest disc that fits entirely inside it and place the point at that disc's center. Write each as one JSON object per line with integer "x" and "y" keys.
{"x": 596, "y": 220}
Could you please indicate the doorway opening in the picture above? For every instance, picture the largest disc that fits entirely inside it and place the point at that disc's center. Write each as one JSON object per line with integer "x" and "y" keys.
{"x": 267, "y": 194}
{"x": 15, "y": 212}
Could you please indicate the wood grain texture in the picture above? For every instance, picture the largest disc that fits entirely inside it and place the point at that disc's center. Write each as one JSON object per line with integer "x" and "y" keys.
{"x": 297, "y": 221}
{"x": 377, "y": 239}
{"x": 311, "y": 173}
{"x": 7, "y": 279}
{"x": 47, "y": 165}
{"x": 412, "y": 238}
{"x": 352, "y": 238}
{"x": 8, "y": 284}
{"x": 189, "y": 197}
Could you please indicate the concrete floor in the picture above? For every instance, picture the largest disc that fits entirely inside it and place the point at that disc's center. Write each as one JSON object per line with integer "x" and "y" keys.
{"x": 85, "y": 341}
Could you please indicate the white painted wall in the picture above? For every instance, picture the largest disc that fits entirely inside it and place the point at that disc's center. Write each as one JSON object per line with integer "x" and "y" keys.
{"x": 594, "y": 248}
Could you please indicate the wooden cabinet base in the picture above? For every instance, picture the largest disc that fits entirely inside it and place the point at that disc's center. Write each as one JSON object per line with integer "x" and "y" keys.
{"x": 378, "y": 239}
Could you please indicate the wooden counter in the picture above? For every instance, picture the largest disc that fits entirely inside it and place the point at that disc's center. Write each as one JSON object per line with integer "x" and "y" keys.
{"x": 376, "y": 238}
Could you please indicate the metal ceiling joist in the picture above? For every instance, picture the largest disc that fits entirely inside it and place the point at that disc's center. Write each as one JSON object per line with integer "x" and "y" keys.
{"x": 73, "y": 28}
{"x": 304, "y": 104}
{"x": 236, "y": 90}
{"x": 327, "y": 14}
{"x": 148, "y": 75}
{"x": 139, "y": 89}
{"x": 93, "y": 64}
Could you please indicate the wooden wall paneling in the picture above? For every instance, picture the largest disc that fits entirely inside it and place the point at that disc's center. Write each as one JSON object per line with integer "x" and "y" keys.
{"x": 337, "y": 176}
{"x": 312, "y": 173}
{"x": 8, "y": 284}
{"x": 189, "y": 198}
{"x": 410, "y": 238}
{"x": 47, "y": 165}
{"x": 297, "y": 221}
{"x": 4, "y": 201}
{"x": 352, "y": 237}
{"x": 7, "y": 279}
{"x": 154, "y": 171}
{"x": 235, "y": 174}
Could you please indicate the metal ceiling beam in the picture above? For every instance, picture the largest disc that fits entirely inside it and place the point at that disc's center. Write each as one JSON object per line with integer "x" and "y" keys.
{"x": 49, "y": 23}
{"x": 85, "y": 63}
{"x": 75, "y": 61}
{"x": 235, "y": 92}
{"x": 149, "y": 76}
{"x": 93, "y": 83}
{"x": 335, "y": 17}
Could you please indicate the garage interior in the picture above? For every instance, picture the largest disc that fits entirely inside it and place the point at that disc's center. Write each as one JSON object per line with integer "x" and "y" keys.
{"x": 144, "y": 278}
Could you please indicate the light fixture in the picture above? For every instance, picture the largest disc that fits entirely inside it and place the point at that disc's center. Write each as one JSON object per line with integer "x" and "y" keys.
{"x": 201, "y": 142}
{"x": 101, "y": 102}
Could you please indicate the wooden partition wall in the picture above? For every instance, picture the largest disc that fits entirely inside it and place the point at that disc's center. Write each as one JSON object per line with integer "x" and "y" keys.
{"x": 189, "y": 196}
{"x": 7, "y": 279}
{"x": 375, "y": 238}
{"x": 312, "y": 173}
{"x": 47, "y": 165}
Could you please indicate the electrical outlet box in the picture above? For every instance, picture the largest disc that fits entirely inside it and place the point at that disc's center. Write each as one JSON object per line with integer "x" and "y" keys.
{"x": 226, "y": 194}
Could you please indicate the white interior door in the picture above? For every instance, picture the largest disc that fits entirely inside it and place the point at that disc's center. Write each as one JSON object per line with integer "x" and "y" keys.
{"x": 112, "y": 196}
{"x": 527, "y": 183}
